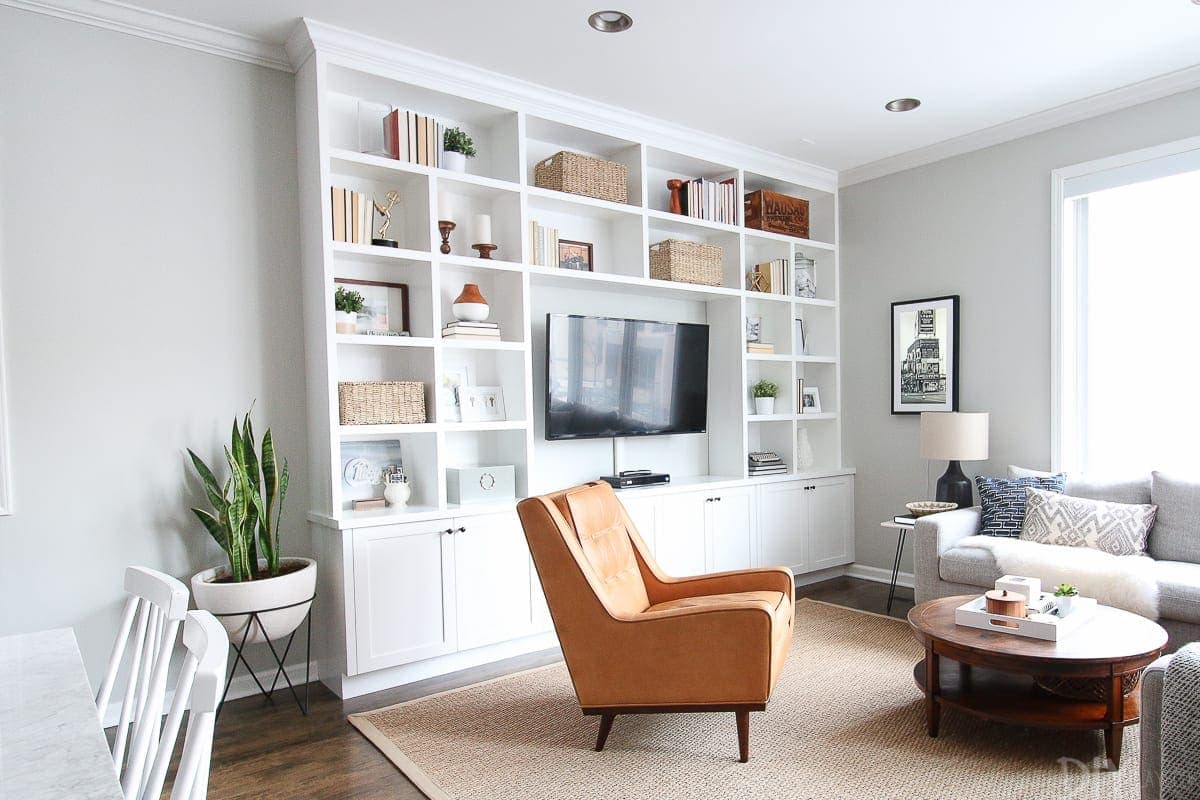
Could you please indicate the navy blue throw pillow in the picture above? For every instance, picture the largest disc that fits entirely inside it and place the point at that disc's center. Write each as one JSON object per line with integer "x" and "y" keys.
{"x": 1003, "y": 501}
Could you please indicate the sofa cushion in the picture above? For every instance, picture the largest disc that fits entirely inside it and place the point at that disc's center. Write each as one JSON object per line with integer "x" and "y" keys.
{"x": 973, "y": 566}
{"x": 1176, "y": 535}
{"x": 1003, "y": 502}
{"x": 1117, "y": 528}
{"x": 1178, "y": 590}
{"x": 1123, "y": 490}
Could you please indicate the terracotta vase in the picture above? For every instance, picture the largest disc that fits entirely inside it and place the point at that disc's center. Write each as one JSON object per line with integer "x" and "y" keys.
{"x": 470, "y": 305}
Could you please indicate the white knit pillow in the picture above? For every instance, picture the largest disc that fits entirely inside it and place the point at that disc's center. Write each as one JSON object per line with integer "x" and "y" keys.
{"x": 1117, "y": 528}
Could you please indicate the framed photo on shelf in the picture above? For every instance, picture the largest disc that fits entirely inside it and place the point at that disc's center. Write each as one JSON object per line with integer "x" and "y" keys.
{"x": 925, "y": 355}
{"x": 385, "y": 306}
{"x": 453, "y": 376}
{"x": 575, "y": 255}
{"x": 481, "y": 403}
{"x": 812, "y": 400}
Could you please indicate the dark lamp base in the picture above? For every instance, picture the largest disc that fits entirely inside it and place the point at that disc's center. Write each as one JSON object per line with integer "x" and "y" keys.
{"x": 955, "y": 487}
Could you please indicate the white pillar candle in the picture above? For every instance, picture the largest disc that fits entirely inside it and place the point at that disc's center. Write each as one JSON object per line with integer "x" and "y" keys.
{"x": 446, "y": 206}
{"x": 483, "y": 229}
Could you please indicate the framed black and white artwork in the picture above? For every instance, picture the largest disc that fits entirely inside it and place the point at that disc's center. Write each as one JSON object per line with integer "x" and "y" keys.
{"x": 925, "y": 355}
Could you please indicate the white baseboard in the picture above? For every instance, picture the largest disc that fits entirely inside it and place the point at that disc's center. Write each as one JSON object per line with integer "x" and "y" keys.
{"x": 243, "y": 686}
{"x": 879, "y": 575}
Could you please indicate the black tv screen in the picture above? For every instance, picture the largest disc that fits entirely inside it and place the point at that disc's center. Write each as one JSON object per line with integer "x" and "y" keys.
{"x": 624, "y": 377}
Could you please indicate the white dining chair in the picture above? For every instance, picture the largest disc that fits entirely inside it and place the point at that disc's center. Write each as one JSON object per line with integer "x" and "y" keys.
{"x": 198, "y": 689}
{"x": 159, "y": 603}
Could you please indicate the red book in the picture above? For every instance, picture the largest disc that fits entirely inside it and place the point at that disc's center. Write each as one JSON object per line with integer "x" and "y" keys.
{"x": 391, "y": 134}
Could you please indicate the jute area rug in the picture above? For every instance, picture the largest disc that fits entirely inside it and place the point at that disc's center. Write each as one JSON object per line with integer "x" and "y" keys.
{"x": 845, "y": 721}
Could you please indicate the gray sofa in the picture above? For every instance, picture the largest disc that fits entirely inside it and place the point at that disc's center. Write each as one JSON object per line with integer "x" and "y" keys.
{"x": 943, "y": 568}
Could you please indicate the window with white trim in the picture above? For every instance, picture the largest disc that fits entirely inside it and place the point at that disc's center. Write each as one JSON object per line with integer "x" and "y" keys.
{"x": 1127, "y": 360}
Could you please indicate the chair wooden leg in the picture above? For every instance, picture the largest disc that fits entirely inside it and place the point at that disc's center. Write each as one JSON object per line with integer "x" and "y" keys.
{"x": 606, "y": 721}
{"x": 743, "y": 729}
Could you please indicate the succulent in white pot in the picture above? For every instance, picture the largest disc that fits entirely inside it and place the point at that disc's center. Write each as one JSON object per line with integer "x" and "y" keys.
{"x": 457, "y": 147}
{"x": 244, "y": 520}
{"x": 346, "y": 305}
{"x": 764, "y": 396}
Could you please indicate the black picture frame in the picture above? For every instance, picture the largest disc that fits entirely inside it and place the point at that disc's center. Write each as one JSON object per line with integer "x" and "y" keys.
{"x": 904, "y": 402}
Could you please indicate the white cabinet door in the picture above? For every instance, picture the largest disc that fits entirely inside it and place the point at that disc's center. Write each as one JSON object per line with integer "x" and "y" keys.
{"x": 644, "y": 513}
{"x": 729, "y": 522}
{"x": 403, "y": 593}
{"x": 491, "y": 579}
{"x": 783, "y": 525}
{"x": 830, "y": 522}
{"x": 679, "y": 534}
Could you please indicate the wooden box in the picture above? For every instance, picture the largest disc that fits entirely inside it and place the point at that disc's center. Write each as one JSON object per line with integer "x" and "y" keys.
{"x": 777, "y": 213}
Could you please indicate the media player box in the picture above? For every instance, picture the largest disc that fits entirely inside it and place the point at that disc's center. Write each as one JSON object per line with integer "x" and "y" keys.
{"x": 481, "y": 484}
{"x": 629, "y": 481}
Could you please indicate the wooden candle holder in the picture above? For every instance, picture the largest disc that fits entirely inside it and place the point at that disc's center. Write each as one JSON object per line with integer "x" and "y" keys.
{"x": 444, "y": 227}
{"x": 485, "y": 250}
{"x": 675, "y": 185}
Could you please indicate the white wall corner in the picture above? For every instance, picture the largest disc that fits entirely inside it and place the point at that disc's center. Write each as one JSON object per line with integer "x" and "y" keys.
{"x": 160, "y": 27}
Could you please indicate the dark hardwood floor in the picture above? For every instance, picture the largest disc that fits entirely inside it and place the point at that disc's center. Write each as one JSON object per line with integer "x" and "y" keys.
{"x": 269, "y": 750}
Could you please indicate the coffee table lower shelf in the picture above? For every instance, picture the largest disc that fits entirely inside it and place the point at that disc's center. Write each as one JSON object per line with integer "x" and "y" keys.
{"x": 1014, "y": 698}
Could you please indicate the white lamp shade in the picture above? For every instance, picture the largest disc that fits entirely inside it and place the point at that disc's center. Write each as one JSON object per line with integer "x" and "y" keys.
{"x": 951, "y": 436}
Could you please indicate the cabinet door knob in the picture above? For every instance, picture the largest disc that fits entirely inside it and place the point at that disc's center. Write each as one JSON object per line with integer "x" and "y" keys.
{"x": 461, "y": 530}
{"x": 449, "y": 531}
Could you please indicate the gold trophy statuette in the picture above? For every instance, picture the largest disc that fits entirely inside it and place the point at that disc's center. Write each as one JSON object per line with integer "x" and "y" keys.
{"x": 393, "y": 197}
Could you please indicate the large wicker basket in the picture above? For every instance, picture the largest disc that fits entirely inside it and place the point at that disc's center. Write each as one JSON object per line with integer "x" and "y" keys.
{"x": 381, "y": 402}
{"x": 586, "y": 175}
{"x": 688, "y": 262}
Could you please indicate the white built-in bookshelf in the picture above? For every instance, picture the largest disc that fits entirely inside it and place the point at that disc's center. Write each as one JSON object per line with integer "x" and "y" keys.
{"x": 513, "y": 135}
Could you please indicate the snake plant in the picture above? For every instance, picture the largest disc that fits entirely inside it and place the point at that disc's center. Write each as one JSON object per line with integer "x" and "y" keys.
{"x": 246, "y": 508}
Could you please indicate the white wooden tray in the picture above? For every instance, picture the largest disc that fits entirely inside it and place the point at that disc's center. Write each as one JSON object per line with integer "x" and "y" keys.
{"x": 1049, "y": 627}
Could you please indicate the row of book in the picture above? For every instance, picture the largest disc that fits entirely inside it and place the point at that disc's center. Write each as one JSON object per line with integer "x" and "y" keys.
{"x": 766, "y": 463}
{"x": 715, "y": 201}
{"x": 351, "y": 216}
{"x": 769, "y": 277}
{"x": 413, "y": 138}
{"x": 543, "y": 244}
{"x": 474, "y": 331}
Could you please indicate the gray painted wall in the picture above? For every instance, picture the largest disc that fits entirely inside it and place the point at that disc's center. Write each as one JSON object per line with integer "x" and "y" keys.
{"x": 977, "y": 225}
{"x": 149, "y": 272}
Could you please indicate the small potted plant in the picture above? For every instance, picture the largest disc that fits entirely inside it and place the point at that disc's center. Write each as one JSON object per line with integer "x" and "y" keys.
{"x": 1064, "y": 595}
{"x": 347, "y": 303}
{"x": 457, "y": 147}
{"x": 764, "y": 396}
{"x": 244, "y": 520}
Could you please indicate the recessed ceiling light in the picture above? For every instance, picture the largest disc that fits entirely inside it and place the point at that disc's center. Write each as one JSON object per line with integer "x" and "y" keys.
{"x": 903, "y": 104}
{"x": 610, "y": 21}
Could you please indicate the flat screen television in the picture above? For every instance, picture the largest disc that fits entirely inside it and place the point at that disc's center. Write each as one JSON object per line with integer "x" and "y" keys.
{"x": 624, "y": 377}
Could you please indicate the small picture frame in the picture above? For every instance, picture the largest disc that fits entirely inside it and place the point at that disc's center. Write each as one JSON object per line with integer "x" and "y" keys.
{"x": 481, "y": 403}
{"x": 453, "y": 376}
{"x": 753, "y": 328}
{"x": 385, "y": 307}
{"x": 575, "y": 255}
{"x": 812, "y": 400}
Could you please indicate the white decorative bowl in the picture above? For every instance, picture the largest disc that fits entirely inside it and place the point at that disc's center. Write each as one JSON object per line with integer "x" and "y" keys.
{"x": 470, "y": 312}
{"x": 924, "y": 507}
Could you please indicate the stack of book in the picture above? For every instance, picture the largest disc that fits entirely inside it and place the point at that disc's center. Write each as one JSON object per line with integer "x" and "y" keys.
{"x": 760, "y": 348}
{"x": 769, "y": 277}
{"x": 413, "y": 138}
{"x": 477, "y": 331}
{"x": 715, "y": 201}
{"x": 543, "y": 244}
{"x": 766, "y": 464}
{"x": 351, "y": 216}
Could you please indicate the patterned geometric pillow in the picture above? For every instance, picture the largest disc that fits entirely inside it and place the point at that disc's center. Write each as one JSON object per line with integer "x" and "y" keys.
{"x": 1003, "y": 501}
{"x": 1117, "y": 528}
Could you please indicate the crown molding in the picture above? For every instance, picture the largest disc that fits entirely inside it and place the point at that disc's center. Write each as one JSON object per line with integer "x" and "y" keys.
{"x": 354, "y": 49}
{"x": 159, "y": 27}
{"x": 1106, "y": 102}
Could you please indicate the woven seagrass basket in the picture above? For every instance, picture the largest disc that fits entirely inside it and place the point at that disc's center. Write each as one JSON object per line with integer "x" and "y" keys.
{"x": 687, "y": 262}
{"x": 586, "y": 175}
{"x": 381, "y": 402}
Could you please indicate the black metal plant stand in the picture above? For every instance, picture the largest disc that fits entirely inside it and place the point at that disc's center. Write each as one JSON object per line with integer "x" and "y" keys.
{"x": 239, "y": 647}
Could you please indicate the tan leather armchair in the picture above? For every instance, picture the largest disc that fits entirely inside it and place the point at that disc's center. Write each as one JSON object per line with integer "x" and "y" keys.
{"x": 637, "y": 641}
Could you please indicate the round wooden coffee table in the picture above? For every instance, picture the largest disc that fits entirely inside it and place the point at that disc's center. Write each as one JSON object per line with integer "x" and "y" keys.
{"x": 996, "y": 675}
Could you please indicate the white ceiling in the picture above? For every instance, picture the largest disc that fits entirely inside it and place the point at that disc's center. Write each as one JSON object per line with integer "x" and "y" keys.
{"x": 805, "y": 78}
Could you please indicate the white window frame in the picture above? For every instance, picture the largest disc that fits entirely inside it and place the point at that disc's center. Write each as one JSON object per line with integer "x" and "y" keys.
{"x": 1067, "y": 334}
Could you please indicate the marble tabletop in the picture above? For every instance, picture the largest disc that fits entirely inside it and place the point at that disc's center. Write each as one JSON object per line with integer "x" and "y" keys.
{"x": 51, "y": 743}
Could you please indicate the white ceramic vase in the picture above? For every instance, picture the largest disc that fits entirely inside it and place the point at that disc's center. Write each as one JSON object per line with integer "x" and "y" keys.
{"x": 231, "y": 598}
{"x": 397, "y": 494}
{"x": 1065, "y": 605}
{"x": 804, "y": 451}
{"x": 455, "y": 162}
{"x": 764, "y": 405}
{"x": 346, "y": 322}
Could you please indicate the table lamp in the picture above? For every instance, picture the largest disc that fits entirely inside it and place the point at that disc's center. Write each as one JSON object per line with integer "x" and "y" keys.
{"x": 954, "y": 437}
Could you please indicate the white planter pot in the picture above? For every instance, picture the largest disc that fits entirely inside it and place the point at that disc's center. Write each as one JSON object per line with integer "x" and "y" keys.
{"x": 1065, "y": 605}
{"x": 231, "y": 598}
{"x": 345, "y": 321}
{"x": 764, "y": 405}
{"x": 455, "y": 162}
